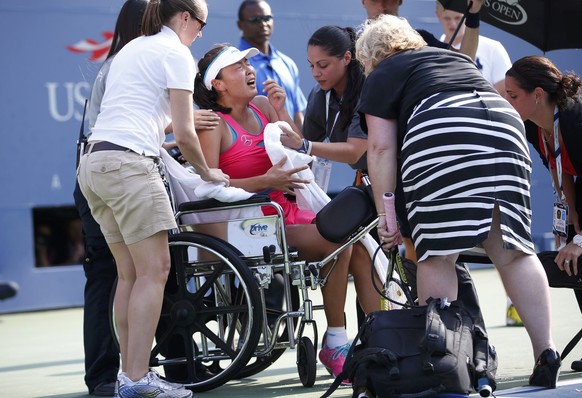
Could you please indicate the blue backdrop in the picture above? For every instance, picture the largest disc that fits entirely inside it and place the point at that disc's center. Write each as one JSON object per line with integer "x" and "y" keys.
{"x": 44, "y": 86}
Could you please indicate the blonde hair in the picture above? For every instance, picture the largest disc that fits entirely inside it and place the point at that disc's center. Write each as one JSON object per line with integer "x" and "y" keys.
{"x": 383, "y": 37}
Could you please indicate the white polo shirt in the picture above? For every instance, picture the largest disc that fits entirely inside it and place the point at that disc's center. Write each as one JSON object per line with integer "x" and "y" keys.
{"x": 136, "y": 109}
{"x": 491, "y": 59}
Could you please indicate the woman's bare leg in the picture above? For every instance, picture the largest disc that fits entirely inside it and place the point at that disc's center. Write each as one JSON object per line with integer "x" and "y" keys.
{"x": 313, "y": 247}
{"x": 526, "y": 284}
{"x": 436, "y": 277}
{"x": 125, "y": 281}
{"x": 151, "y": 260}
{"x": 360, "y": 268}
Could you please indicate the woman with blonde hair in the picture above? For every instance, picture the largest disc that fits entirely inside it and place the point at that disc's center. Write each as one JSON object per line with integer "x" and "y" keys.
{"x": 465, "y": 171}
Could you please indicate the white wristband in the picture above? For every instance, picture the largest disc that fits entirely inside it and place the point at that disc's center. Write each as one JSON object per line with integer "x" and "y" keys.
{"x": 309, "y": 146}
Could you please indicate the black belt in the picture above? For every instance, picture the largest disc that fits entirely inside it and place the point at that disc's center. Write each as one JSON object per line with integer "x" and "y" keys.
{"x": 104, "y": 146}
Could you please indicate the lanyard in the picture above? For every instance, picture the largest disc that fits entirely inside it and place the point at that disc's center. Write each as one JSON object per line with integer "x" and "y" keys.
{"x": 327, "y": 96}
{"x": 558, "y": 156}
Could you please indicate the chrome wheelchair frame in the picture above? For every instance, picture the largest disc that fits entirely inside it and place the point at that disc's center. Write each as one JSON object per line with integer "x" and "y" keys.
{"x": 215, "y": 325}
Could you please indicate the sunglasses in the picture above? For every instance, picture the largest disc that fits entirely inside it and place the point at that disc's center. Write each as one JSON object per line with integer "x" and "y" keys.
{"x": 202, "y": 23}
{"x": 259, "y": 18}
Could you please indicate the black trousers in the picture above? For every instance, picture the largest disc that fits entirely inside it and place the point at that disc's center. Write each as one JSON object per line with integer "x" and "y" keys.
{"x": 572, "y": 232}
{"x": 101, "y": 351}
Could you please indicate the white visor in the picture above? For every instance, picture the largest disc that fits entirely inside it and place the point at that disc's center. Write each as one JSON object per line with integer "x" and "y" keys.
{"x": 227, "y": 57}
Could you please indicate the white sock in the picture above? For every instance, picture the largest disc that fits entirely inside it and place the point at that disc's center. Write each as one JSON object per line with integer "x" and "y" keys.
{"x": 336, "y": 336}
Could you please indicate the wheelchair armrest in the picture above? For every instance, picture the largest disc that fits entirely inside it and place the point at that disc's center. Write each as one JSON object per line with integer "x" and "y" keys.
{"x": 213, "y": 203}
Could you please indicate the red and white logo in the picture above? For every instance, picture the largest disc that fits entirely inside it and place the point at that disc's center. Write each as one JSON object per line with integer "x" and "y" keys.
{"x": 98, "y": 51}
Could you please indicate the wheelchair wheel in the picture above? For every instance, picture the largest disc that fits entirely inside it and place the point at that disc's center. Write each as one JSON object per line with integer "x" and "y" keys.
{"x": 259, "y": 363}
{"x": 211, "y": 317}
{"x": 306, "y": 362}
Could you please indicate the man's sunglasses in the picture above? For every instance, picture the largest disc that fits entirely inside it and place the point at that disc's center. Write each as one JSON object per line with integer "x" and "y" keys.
{"x": 259, "y": 18}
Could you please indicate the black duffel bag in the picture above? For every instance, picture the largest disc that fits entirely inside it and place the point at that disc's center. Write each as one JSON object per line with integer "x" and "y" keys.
{"x": 416, "y": 352}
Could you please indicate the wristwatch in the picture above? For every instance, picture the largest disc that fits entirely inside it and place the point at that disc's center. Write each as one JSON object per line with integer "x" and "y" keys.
{"x": 577, "y": 240}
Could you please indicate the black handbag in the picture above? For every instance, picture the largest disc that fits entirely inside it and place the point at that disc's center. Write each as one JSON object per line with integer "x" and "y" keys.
{"x": 557, "y": 277}
{"x": 349, "y": 210}
{"x": 413, "y": 352}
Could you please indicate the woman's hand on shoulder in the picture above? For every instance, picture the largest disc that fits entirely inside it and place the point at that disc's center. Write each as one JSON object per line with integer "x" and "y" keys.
{"x": 284, "y": 180}
{"x": 205, "y": 119}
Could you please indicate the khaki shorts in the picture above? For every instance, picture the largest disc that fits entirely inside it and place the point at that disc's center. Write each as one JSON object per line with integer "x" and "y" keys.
{"x": 126, "y": 195}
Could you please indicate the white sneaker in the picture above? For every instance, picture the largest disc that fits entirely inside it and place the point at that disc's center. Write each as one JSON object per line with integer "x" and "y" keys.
{"x": 169, "y": 385}
{"x": 150, "y": 386}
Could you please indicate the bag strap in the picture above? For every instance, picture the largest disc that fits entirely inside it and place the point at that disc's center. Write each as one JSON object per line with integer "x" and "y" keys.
{"x": 571, "y": 344}
{"x": 350, "y": 360}
{"x": 336, "y": 383}
{"x": 378, "y": 356}
{"x": 343, "y": 374}
{"x": 434, "y": 337}
{"x": 82, "y": 139}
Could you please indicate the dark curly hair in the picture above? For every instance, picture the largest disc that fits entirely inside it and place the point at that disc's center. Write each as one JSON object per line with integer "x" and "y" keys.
{"x": 536, "y": 71}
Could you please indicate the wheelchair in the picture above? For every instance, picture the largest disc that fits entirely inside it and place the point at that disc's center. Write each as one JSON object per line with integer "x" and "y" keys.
{"x": 215, "y": 324}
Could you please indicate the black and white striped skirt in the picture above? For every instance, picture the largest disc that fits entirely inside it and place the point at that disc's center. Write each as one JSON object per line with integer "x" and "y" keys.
{"x": 462, "y": 154}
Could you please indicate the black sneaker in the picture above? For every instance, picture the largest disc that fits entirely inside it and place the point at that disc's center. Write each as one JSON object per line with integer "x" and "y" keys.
{"x": 104, "y": 389}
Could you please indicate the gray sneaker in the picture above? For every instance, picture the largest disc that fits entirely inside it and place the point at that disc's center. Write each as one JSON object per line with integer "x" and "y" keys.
{"x": 149, "y": 386}
{"x": 169, "y": 385}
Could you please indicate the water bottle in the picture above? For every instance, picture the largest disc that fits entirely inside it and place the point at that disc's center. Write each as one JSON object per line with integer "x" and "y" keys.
{"x": 483, "y": 387}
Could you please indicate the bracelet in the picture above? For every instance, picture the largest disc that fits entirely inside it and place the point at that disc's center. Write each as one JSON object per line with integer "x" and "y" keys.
{"x": 305, "y": 147}
{"x": 472, "y": 20}
{"x": 381, "y": 214}
{"x": 309, "y": 146}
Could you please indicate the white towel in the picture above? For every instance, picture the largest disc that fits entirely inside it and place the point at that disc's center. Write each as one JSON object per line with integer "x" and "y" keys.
{"x": 187, "y": 186}
{"x": 312, "y": 197}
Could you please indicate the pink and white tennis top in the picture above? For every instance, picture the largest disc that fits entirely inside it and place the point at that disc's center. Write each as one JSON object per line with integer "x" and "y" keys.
{"x": 247, "y": 157}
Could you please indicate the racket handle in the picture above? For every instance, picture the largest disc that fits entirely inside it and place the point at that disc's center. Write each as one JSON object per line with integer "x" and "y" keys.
{"x": 388, "y": 199}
